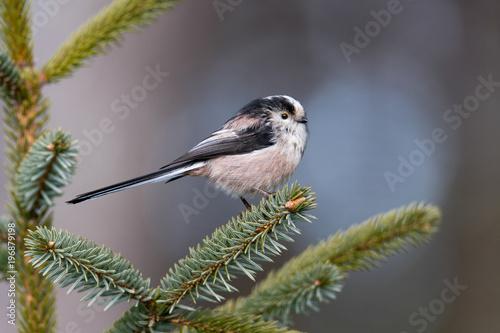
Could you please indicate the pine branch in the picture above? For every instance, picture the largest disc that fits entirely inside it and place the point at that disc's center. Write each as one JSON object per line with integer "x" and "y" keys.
{"x": 25, "y": 115}
{"x": 140, "y": 319}
{"x": 24, "y": 123}
{"x": 36, "y": 302}
{"x": 74, "y": 261}
{"x": 237, "y": 247}
{"x": 25, "y": 119}
{"x": 47, "y": 167}
{"x": 216, "y": 321}
{"x": 16, "y": 30}
{"x": 360, "y": 247}
{"x": 106, "y": 27}
{"x": 10, "y": 77}
{"x": 277, "y": 296}
{"x": 363, "y": 246}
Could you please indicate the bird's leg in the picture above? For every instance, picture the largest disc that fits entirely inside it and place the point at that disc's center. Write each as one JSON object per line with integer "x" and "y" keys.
{"x": 247, "y": 205}
{"x": 265, "y": 193}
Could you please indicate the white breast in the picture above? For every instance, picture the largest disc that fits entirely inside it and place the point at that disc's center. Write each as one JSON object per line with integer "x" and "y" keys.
{"x": 263, "y": 169}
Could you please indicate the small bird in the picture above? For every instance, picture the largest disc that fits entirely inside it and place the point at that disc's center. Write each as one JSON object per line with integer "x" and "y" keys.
{"x": 252, "y": 153}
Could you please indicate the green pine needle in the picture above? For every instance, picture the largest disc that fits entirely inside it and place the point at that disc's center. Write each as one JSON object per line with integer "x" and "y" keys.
{"x": 45, "y": 169}
{"x": 82, "y": 265}
{"x": 139, "y": 319}
{"x": 10, "y": 77}
{"x": 23, "y": 125}
{"x": 216, "y": 321}
{"x": 360, "y": 247}
{"x": 363, "y": 246}
{"x": 237, "y": 248}
{"x": 16, "y": 30}
{"x": 104, "y": 28}
{"x": 279, "y": 296}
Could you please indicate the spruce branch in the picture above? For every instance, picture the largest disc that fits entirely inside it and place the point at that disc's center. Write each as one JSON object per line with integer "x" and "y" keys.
{"x": 363, "y": 246}
{"x": 47, "y": 167}
{"x": 106, "y": 27}
{"x": 10, "y": 77}
{"x": 35, "y": 297}
{"x": 36, "y": 303}
{"x": 237, "y": 247}
{"x": 140, "y": 319}
{"x": 278, "y": 296}
{"x": 16, "y": 30}
{"x": 25, "y": 116}
{"x": 74, "y": 261}
{"x": 360, "y": 247}
{"x": 24, "y": 123}
{"x": 216, "y": 321}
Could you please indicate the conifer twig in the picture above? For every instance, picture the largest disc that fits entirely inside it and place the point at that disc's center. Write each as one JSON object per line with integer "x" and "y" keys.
{"x": 16, "y": 30}
{"x": 25, "y": 115}
{"x": 139, "y": 319}
{"x": 106, "y": 27}
{"x": 216, "y": 321}
{"x": 363, "y": 246}
{"x": 360, "y": 247}
{"x": 24, "y": 123}
{"x": 237, "y": 247}
{"x": 45, "y": 170}
{"x": 10, "y": 77}
{"x": 74, "y": 261}
{"x": 277, "y": 296}
{"x": 232, "y": 249}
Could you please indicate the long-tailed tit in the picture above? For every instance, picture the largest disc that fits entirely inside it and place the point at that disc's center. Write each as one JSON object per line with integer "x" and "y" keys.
{"x": 252, "y": 153}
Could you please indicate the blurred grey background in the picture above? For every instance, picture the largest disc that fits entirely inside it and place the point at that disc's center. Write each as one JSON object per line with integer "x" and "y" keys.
{"x": 400, "y": 110}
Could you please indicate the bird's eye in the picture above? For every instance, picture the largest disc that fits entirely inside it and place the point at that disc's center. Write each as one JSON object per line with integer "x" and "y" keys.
{"x": 284, "y": 116}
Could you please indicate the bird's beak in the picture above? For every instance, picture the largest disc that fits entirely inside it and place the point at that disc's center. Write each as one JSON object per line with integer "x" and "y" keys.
{"x": 303, "y": 120}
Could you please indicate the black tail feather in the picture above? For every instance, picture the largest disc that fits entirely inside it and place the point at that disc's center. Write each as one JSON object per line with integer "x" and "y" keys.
{"x": 124, "y": 185}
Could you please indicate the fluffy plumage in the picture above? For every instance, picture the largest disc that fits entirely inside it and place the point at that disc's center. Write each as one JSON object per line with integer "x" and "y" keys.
{"x": 252, "y": 153}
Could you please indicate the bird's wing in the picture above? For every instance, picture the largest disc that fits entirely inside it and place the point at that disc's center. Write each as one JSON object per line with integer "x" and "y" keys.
{"x": 229, "y": 142}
